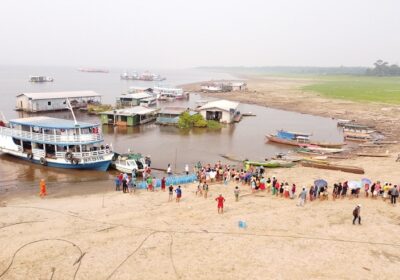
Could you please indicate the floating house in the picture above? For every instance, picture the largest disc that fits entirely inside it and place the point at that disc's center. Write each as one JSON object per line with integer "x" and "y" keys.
{"x": 40, "y": 79}
{"x": 53, "y": 101}
{"x": 170, "y": 115}
{"x": 223, "y": 111}
{"x": 223, "y": 86}
{"x": 132, "y": 99}
{"x": 129, "y": 116}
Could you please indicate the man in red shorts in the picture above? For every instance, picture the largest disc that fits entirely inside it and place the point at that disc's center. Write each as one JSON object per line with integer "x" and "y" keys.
{"x": 220, "y": 200}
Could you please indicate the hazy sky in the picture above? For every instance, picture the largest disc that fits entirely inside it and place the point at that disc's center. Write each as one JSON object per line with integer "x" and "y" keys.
{"x": 186, "y": 33}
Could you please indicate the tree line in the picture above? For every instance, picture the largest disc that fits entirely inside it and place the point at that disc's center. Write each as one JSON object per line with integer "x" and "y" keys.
{"x": 383, "y": 69}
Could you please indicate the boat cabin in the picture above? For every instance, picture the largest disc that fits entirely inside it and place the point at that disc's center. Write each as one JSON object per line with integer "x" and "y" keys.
{"x": 170, "y": 115}
{"x": 52, "y": 138}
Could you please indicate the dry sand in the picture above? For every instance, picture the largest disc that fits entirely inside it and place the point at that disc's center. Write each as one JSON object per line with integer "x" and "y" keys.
{"x": 142, "y": 236}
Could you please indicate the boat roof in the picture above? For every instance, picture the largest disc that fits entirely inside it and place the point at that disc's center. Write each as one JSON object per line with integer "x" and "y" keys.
{"x": 296, "y": 133}
{"x": 176, "y": 110}
{"x": 225, "y": 105}
{"x": 59, "y": 94}
{"x": 136, "y": 110}
{"x": 138, "y": 95}
{"x": 48, "y": 122}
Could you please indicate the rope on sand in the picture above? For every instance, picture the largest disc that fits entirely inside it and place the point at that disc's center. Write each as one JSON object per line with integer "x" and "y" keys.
{"x": 26, "y": 222}
{"x": 44, "y": 240}
{"x": 171, "y": 257}
{"x": 131, "y": 254}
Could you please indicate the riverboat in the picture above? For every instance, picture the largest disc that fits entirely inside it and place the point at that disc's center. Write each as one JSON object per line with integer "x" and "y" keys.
{"x": 299, "y": 139}
{"x": 40, "y": 79}
{"x": 56, "y": 143}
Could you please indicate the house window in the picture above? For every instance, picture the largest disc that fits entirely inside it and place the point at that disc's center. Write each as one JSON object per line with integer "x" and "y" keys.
{"x": 49, "y": 103}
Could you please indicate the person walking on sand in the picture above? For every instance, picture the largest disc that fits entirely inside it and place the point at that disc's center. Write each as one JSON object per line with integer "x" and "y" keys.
{"x": 199, "y": 192}
{"x": 117, "y": 183}
{"x": 178, "y": 194}
{"x": 170, "y": 193}
{"x": 124, "y": 185}
{"x": 236, "y": 192}
{"x": 220, "y": 200}
{"x": 42, "y": 186}
{"x": 302, "y": 197}
{"x": 169, "y": 170}
{"x": 357, "y": 214}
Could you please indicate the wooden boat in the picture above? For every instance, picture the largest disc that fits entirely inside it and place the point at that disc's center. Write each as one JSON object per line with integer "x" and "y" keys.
{"x": 321, "y": 150}
{"x": 358, "y": 137}
{"x": 385, "y": 142}
{"x": 344, "y": 168}
{"x": 270, "y": 163}
{"x": 301, "y": 141}
{"x": 230, "y": 157}
{"x": 372, "y": 155}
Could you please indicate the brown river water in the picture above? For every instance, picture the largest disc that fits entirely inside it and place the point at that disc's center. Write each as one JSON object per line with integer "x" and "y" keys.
{"x": 245, "y": 139}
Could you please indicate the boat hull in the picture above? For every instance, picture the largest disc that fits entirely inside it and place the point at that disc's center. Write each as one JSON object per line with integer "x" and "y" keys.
{"x": 275, "y": 139}
{"x": 343, "y": 168}
{"x": 101, "y": 165}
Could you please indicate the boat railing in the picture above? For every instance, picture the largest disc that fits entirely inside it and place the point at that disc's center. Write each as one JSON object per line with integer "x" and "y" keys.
{"x": 38, "y": 153}
{"x": 85, "y": 154}
{"x": 53, "y": 138}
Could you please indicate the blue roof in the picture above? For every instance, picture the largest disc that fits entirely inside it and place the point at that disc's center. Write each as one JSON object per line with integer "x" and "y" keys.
{"x": 52, "y": 123}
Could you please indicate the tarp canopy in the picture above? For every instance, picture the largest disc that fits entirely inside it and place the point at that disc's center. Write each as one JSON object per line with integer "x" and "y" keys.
{"x": 354, "y": 184}
{"x": 320, "y": 183}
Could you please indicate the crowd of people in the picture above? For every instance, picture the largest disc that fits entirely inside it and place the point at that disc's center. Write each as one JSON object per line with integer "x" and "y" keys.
{"x": 255, "y": 179}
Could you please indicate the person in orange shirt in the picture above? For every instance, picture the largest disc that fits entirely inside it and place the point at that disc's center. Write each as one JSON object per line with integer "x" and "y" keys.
{"x": 43, "y": 191}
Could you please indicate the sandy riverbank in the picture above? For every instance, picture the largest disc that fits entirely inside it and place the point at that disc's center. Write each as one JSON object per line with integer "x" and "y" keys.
{"x": 285, "y": 93}
{"x": 143, "y": 236}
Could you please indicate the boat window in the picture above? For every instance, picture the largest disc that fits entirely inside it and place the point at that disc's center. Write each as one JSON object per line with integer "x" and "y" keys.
{"x": 49, "y": 103}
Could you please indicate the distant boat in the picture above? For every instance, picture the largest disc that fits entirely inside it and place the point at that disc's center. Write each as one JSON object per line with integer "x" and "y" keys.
{"x": 40, "y": 79}
{"x": 93, "y": 70}
{"x": 145, "y": 76}
{"x": 270, "y": 163}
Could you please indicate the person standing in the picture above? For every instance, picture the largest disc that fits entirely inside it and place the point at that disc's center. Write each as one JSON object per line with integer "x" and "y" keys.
{"x": 163, "y": 182}
{"x": 42, "y": 186}
{"x": 357, "y": 214}
{"x": 187, "y": 169}
{"x": 236, "y": 192}
{"x": 124, "y": 185}
{"x": 170, "y": 192}
{"x": 117, "y": 183}
{"x": 178, "y": 194}
{"x": 302, "y": 197}
{"x": 169, "y": 170}
{"x": 205, "y": 189}
{"x": 221, "y": 201}
{"x": 394, "y": 192}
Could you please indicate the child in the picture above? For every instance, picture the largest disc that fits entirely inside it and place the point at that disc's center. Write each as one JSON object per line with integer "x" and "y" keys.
{"x": 199, "y": 192}
{"x": 178, "y": 194}
{"x": 236, "y": 192}
{"x": 170, "y": 192}
{"x": 43, "y": 191}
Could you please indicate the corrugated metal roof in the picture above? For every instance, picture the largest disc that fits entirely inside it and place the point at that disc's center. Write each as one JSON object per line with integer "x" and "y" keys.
{"x": 60, "y": 94}
{"x": 173, "y": 110}
{"x": 48, "y": 122}
{"x": 136, "y": 110}
{"x": 139, "y": 95}
{"x": 220, "y": 104}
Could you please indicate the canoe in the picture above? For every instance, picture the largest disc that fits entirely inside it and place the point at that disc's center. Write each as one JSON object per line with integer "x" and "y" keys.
{"x": 383, "y": 142}
{"x": 321, "y": 150}
{"x": 230, "y": 157}
{"x": 372, "y": 155}
{"x": 329, "y": 166}
{"x": 270, "y": 164}
{"x": 302, "y": 141}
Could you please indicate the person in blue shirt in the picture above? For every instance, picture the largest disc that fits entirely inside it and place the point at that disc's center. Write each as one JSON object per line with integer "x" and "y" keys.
{"x": 178, "y": 193}
{"x": 117, "y": 183}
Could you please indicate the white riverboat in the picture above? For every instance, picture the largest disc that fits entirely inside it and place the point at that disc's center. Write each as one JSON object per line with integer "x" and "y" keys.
{"x": 56, "y": 143}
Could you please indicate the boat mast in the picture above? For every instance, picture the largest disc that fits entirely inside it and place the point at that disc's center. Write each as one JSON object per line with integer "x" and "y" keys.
{"x": 72, "y": 111}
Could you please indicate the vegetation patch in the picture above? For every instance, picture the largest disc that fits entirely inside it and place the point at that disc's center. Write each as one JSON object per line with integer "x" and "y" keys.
{"x": 187, "y": 121}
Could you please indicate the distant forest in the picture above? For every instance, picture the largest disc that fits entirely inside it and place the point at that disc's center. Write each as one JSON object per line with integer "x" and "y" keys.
{"x": 383, "y": 69}
{"x": 380, "y": 69}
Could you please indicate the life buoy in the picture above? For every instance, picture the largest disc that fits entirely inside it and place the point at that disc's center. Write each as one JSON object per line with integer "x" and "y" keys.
{"x": 43, "y": 161}
{"x": 75, "y": 161}
{"x": 68, "y": 155}
{"x": 29, "y": 155}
